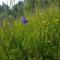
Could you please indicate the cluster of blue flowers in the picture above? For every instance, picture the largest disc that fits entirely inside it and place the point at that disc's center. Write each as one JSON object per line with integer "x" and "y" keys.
{"x": 24, "y": 20}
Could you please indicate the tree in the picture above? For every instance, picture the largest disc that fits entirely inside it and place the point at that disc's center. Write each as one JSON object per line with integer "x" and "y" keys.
{"x": 18, "y": 9}
{"x": 5, "y": 7}
{"x": 0, "y": 8}
{"x": 4, "y": 11}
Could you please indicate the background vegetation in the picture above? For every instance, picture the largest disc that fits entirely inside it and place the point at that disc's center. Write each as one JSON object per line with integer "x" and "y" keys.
{"x": 39, "y": 39}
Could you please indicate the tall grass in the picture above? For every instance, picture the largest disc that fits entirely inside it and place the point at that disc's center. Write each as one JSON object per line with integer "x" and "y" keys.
{"x": 39, "y": 39}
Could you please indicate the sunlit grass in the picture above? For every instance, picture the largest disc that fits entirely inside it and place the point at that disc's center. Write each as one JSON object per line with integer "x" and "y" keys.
{"x": 39, "y": 39}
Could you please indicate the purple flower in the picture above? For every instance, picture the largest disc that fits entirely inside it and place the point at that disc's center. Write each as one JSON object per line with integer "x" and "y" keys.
{"x": 24, "y": 20}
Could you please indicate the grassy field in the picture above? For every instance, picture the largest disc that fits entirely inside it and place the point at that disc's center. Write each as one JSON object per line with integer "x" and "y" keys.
{"x": 39, "y": 39}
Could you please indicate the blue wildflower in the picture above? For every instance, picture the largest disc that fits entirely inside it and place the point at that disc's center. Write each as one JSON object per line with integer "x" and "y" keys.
{"x": 24, "y": 20}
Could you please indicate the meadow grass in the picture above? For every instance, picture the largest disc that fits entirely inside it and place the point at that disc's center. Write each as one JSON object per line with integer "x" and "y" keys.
{"x": 39, "y": 39}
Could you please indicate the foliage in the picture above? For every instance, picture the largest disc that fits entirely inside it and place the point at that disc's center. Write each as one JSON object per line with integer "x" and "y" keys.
{"x": 37, "y": 40}
{"x": 18, "y": 8}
